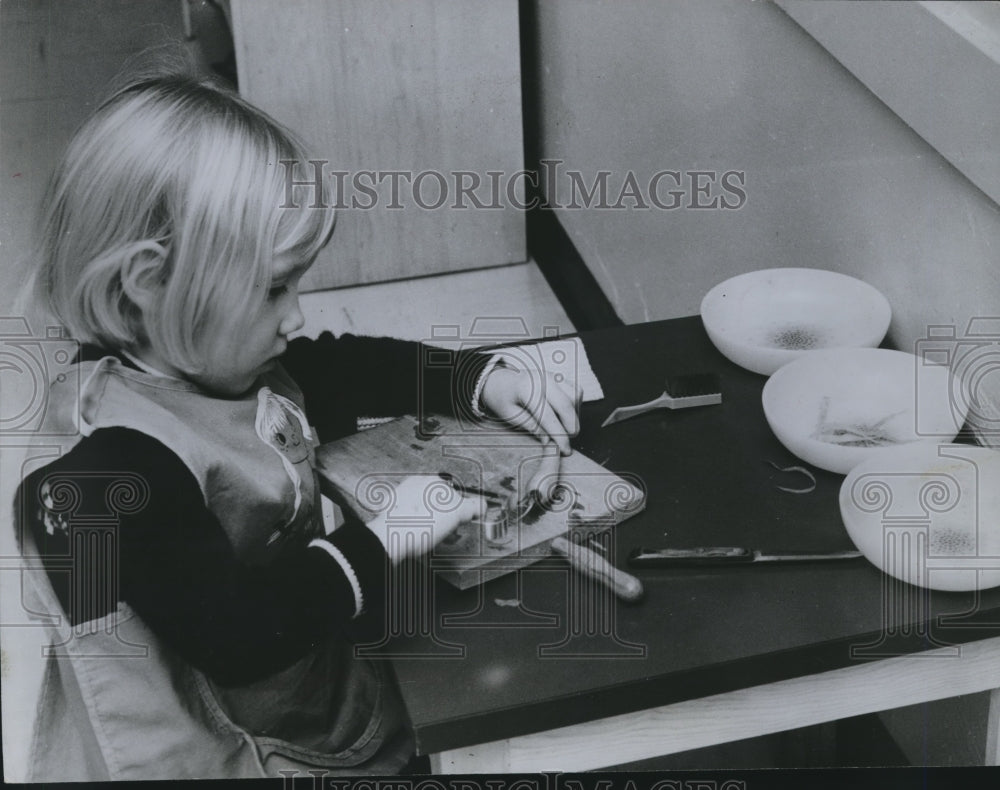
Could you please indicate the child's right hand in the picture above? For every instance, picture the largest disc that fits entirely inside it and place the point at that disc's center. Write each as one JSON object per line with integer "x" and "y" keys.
{"x": 425, "y": 511}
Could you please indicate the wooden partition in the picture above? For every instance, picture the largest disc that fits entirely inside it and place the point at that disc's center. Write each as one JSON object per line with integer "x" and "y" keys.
{"x": 421, "y": 87}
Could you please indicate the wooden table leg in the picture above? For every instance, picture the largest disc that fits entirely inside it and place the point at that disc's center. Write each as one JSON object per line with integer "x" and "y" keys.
{"x": 993, "y": 729}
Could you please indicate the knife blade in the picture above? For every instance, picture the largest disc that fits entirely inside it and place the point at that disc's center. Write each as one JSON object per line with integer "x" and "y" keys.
{"x": 727, "y": 555}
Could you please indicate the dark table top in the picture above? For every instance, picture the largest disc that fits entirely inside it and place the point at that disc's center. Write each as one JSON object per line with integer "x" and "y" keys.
{"x": 492, "y": 670}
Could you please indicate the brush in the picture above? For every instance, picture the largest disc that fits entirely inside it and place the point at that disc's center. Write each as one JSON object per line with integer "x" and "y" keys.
{"x": 681, "y": 392}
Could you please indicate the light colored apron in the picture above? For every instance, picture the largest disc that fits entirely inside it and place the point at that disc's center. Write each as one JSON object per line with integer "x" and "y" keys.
{"x": 117, "y": 703}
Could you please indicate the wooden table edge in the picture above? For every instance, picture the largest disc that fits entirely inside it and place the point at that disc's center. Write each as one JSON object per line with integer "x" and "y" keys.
{"x": 864, "y": 688}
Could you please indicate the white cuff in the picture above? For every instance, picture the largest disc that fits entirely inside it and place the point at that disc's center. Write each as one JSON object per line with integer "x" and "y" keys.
{"x": 477, "y": 393}
{"x": 352, "y": 577}
{"x": 364, "y": 423}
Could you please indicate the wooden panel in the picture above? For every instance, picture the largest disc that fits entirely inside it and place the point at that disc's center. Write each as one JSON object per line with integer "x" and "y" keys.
{"x": 428, "y": 85}
{"x": 992, "y": 756}
{"x": 58, "y": 58}
{"x": 514, "y": 294}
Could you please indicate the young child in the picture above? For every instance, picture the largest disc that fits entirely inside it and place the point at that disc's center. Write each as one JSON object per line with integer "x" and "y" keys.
{"x": 166, "y": 252}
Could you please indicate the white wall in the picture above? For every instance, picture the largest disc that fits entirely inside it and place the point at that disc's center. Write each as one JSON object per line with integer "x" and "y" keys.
{"x": 834, "y": 179}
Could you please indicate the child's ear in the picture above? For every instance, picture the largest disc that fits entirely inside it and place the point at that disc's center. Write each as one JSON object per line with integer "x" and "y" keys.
{"x": 143, "y": 273}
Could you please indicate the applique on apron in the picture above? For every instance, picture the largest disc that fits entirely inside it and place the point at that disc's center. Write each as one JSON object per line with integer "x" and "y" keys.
{"x": 54, "y": 520}
{"x": 283, "y": 427}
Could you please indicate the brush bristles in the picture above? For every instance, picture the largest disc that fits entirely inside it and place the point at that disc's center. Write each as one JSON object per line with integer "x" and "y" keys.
{"x": 699, "y": 384}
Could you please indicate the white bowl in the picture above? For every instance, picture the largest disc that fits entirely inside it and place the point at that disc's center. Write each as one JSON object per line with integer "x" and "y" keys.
{"x": 764, "y": 319}
{"x": 928, "y": 514}
{"x": 839, "y": 407}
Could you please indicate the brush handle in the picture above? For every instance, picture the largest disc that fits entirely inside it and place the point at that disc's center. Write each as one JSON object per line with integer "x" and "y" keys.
{"x": 625, "y": 412}
{"x": 640, "y": 408}
{"x": 593, "y": 565}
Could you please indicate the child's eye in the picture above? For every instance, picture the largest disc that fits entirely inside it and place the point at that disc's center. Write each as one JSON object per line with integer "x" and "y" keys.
{"x": 277, "y": 292}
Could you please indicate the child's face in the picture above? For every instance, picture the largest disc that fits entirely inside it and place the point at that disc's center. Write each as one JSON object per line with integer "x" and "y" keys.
{"x": 234, "y": 363}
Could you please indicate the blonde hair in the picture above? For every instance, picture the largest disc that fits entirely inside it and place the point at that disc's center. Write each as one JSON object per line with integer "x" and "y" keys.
{"x": 187, "y": 177}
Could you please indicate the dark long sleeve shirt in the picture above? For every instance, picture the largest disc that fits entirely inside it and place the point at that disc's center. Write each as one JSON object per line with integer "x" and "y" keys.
{"x": 175, "y": 565}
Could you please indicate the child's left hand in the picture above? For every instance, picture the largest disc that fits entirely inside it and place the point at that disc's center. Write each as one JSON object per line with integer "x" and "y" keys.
{"x": 534, "y": 401}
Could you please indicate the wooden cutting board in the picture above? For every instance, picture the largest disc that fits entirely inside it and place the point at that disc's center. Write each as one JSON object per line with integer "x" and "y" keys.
{"x": 588, "y": 498}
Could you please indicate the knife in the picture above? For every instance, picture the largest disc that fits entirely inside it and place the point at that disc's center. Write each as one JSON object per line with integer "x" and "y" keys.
{"x": 727, "y": 555}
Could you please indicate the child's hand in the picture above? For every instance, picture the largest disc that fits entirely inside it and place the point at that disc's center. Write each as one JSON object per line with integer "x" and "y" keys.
{"x": 424, "y": 511}
{"x": 534, "y": 401}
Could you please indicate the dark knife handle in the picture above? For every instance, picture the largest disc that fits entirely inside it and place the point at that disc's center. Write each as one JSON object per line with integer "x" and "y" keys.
{"x": 689, "y": 558}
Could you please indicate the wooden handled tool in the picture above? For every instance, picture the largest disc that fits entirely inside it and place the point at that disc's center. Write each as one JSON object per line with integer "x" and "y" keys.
{"x": 593, "y": 565}
{"x": 496, "y": 528}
